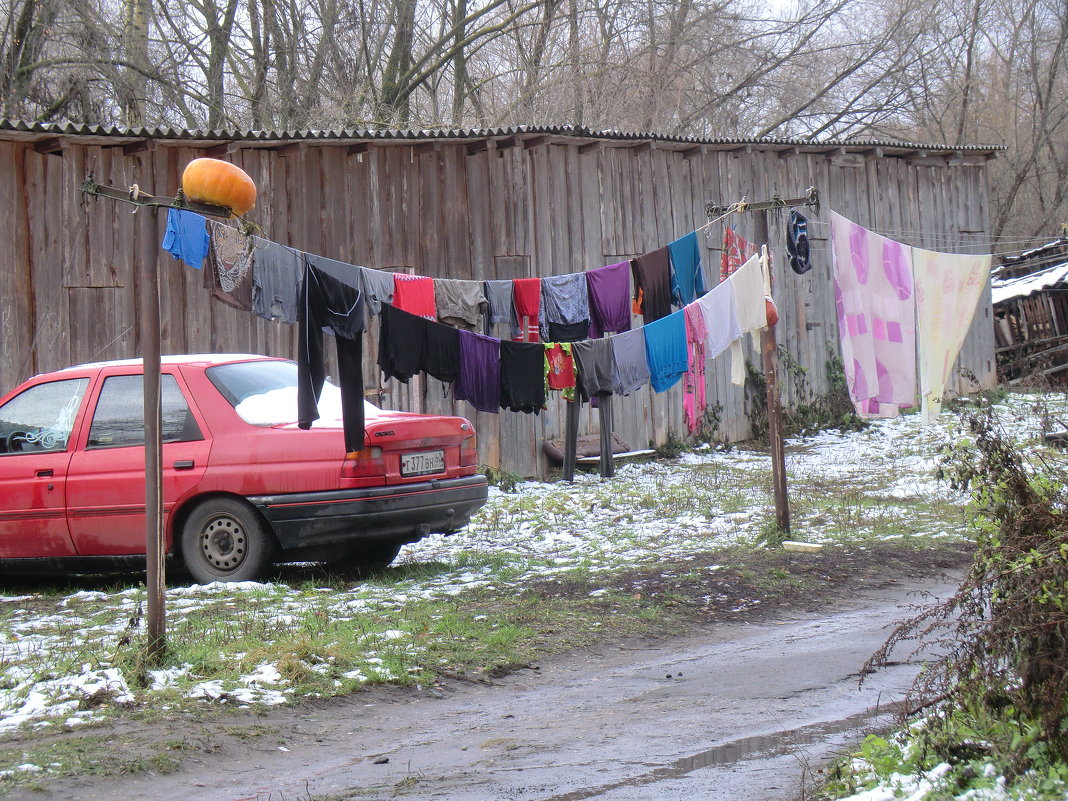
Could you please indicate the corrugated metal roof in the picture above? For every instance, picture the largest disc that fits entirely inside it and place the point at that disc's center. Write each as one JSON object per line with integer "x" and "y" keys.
{"x": 413, "y": 134}
{"x": 1013, "y": 288}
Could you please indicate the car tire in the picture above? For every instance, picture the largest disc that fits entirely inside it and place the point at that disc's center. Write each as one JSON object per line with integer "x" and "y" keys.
{"x": 223, "y": 539}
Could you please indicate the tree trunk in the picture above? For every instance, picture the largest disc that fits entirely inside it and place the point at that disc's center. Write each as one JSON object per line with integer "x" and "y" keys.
{"x": 134, "y": 84}
{"x": 459, "y": 62}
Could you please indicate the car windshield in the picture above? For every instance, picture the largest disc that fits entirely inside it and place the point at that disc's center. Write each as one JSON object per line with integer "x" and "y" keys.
{"x": 264, "y": 393}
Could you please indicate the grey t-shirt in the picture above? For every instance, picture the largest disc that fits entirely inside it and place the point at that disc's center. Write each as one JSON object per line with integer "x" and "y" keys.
{"x": 630, "y": 365}
{"x": 377, "y": 287}
{"x": 593, "y": 363}
{"x": 276, "y": 276}
{"x": 500, "y": 295}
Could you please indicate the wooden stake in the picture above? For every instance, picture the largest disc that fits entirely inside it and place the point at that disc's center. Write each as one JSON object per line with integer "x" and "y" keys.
{"x": 148, "y": 309}
{"x": 604, "y": 410}
{"x": 155, "y": 615}
{"x": 769, "y": 352}
{"x": 571, "y": 427}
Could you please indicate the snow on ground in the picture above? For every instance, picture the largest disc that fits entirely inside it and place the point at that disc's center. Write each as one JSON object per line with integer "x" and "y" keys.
{"x": 62, "y": 668}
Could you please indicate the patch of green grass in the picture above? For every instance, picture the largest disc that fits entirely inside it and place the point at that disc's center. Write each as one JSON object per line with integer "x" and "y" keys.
{"x": 83, "y": 755}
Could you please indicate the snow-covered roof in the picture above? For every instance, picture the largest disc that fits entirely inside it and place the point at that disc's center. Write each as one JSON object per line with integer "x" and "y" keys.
{"x": 1028, "y": 284}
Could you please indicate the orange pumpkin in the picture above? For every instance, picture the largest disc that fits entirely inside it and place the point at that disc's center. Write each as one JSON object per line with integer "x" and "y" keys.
{"x": 219, "y": 183}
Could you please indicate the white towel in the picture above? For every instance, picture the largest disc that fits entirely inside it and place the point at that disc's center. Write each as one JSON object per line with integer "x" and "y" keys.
{"x": 747, "y": 285}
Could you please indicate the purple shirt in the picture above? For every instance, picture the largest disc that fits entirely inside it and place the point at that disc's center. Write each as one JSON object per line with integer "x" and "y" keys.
{"x": 479, "y": 381}
{"x": 609, "y": 289}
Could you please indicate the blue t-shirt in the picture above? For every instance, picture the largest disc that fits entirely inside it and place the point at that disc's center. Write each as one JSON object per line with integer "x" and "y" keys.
{"x": 187, "y": 237}
{"x": 665, "y": 349}
{"x": 687, "y": 281}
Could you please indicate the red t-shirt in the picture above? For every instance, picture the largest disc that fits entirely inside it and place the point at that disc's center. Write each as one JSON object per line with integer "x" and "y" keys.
{"x": 415, "y": 295}
{"x": 559, "y": 365}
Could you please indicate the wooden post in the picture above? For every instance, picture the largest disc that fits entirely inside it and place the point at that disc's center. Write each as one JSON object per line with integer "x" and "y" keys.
{"x": 769, "y": 351}
{"x": 604, "y": 410}
{"x": 571, "y": 426}
{"x": 155, "y": 615}
{"x": 149, "y": 331}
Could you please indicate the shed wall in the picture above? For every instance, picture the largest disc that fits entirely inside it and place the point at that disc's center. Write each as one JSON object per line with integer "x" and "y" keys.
{"x": 493, "y": 209}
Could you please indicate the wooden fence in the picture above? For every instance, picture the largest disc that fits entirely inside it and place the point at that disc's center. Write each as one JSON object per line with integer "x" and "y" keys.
{"x": 467, "y": 205}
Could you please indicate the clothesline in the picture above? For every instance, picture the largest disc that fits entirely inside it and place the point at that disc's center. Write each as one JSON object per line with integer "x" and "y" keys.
{"x": 266, "y": 278}
{"x": 943, "y": 238}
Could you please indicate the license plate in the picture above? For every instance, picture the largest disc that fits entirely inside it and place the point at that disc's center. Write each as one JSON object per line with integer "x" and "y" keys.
{"x": 421, "y": 464}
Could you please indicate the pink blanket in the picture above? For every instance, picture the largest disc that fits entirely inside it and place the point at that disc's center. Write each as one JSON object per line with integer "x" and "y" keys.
{"x": 873, "y": 293}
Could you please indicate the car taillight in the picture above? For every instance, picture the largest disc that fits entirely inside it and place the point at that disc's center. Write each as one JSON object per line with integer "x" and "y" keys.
{"x": 364, "y": 464}
{"x": 468, "y": 453}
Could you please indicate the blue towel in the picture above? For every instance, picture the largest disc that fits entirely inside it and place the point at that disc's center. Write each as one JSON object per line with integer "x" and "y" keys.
{"x": 665, "y": 349}
{"x": 687, "y": 282}
{"x": 187, "y": 237}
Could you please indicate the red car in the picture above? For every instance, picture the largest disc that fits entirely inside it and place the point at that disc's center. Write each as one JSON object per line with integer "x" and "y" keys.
{"x": 242, "y": 486}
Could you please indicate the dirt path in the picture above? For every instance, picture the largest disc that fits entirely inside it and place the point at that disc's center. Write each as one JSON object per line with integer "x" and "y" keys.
{"x": 742, "y": 712}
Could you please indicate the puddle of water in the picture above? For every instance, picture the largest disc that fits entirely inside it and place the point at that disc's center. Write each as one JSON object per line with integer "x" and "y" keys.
{"x": 759, "y": 747}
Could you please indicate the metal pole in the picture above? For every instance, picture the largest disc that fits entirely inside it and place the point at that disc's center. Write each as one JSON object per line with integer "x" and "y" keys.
{"x": 769, "y": 351}
{"x": 155, "y": 614}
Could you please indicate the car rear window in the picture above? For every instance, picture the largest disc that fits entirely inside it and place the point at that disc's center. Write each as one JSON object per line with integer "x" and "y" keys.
{"x": 264, "y": 393}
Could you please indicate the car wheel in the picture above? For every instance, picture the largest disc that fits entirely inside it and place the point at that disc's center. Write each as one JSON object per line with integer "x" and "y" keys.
{"x": 225, "y": 540}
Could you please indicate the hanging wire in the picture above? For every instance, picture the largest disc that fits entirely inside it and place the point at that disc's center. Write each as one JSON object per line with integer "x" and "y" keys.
{"x": 978, "y": 240}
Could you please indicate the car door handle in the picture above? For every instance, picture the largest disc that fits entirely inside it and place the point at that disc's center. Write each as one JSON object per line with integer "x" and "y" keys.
{"x": 184, "y": 464}
{"x": 44, "y": 473}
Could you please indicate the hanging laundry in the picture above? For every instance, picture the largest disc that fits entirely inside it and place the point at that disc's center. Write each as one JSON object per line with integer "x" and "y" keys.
{"x": 694, "y": 392}
{"x": 873, "y": 295}
{"x": 377, "y": 288}
{"x": 748, "y": 285}
{"x": 568, "y": 332}
{"x": 522, "y": 377}
{"x": 687, "y": 280}
{"x": 415, "y": 295}
{"x": 276, "y": 280}
{"x": 564, "y": 301}
{"x": 721, "y": 319}
{"x": 665, "y": 347}
{"x": 186, "y": 237}
{"x": 593, "y": 368}
{"x": 229, "y": 272}
{"x": 500, "y": 306}
{"x": 348, "y": 274}
{"x": 460, "y": 303}
{"x": 441, "y": 352}
{"x": 609, "y": 293}
{"x": 327, "y": 304}
{"x": 479, "y": 382}
{"x": 652, "y": 278}
{"x": 560, "y": 369}
{"x": 630, "y": 365}
{"x": 401, "y": 343}
{"x": 948, "y": 288}
{"x": 528, "y": 305}
{"x": 737, "y": 250}
{"x": 797, "y": 243}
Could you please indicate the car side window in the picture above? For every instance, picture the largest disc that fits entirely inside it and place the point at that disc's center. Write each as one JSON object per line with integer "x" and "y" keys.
{"x": 42, "y": 417}
{"x": 119, "y": 419}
